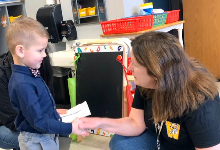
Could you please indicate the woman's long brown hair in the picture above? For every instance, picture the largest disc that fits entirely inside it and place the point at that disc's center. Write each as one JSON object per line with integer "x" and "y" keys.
{"x": 182, "y": 83}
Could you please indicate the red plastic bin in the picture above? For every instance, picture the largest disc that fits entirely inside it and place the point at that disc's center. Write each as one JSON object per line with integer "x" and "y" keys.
{"x": 172, "y": 16}
{"x": 127, "y": 25}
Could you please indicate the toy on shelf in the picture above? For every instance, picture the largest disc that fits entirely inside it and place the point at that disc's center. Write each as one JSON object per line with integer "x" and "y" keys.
{"x": 146, "y": 8}
{"x": 11, "y": 18}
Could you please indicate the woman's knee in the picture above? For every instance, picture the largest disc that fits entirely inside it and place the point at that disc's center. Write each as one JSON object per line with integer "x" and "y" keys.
{"x": 117, "y": 142}
{"x": 147, "y": 141}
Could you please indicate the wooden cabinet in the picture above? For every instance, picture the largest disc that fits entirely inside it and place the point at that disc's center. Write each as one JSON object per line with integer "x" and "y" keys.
{"x": 202, "y": 32}
{"x": 7, "y": 10}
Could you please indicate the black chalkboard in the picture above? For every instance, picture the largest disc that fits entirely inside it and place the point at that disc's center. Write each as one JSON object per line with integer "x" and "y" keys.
{"x": 99, "y": 81}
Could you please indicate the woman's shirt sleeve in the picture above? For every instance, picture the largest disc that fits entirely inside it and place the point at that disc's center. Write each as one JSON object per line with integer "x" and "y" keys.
{"x": 203, "y": 125}
{"x": 138, "y": 101}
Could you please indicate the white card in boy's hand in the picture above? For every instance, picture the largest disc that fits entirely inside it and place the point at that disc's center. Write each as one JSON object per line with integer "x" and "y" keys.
{"x": 80, "y": 110}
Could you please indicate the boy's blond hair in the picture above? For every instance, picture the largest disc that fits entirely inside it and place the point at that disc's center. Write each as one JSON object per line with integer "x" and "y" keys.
{"x": 24, "y": 31}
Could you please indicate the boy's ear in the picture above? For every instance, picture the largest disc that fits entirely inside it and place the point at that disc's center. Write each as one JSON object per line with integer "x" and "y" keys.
{"x": 19, "y": 51}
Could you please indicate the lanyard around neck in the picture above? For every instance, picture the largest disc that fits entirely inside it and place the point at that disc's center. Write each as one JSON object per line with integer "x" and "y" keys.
{"x": 158, "y": 128}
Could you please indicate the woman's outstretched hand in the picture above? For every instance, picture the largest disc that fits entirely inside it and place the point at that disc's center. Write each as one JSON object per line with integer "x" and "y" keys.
{"x": 89, "y": 123}
{"x": 76, "y": 130}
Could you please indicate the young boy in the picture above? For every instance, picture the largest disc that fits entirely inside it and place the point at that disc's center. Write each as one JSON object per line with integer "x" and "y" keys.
{"x": 37, "y": 119}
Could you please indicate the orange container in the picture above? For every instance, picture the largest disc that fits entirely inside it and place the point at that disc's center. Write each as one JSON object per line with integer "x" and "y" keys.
{"x": 127, "y": 25}
{"x": 172, "y": 16}
{"x": 90, "y": 11}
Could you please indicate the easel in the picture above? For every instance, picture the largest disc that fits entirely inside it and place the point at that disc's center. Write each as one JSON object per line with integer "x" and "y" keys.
{"x": 125, "y": 43}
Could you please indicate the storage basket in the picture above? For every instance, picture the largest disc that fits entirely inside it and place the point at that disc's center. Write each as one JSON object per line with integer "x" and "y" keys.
{"x": 172, "y": 16}
{"x": 159, "y": 19}
{"x": 82, "y": 12}
{"x": 90, "y": 11}
{"x": 127, "y": 25}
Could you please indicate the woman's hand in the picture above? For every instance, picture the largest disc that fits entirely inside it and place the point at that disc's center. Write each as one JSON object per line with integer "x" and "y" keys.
{"x": 89, "y": 123}
{"x": 133, "y": 125}
{"x": 77, "y": 130}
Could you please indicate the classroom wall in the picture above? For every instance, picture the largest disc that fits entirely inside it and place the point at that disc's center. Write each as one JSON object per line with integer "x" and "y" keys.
{"x": 31, "y": 8}
{"x": 84, "y": 31}
{"x": 89, "y": 31}
{"x": 122, "y": 8}
{"x": 115, "y": 9}
{"x": 133, "y": 7}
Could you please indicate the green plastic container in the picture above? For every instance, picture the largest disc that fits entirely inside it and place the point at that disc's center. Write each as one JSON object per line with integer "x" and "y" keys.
{"x": 72, "y": 93}
{"x": 159, "y": 19}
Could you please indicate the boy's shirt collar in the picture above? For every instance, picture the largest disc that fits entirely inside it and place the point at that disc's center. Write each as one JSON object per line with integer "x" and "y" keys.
{"x": 35, "y": 72}
{"x": 24, "y": 70}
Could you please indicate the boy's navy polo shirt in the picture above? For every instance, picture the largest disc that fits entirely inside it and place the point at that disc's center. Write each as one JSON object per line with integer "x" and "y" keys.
{"x": 34, "y": 103}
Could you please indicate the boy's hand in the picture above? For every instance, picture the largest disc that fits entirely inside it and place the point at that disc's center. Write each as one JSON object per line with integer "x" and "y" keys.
{"x": 76, "y": 130}
{"x": 62, "y": 111}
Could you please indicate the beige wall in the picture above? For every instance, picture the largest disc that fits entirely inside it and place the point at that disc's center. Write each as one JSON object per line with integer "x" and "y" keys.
{"x": 115, "y": 9}
{"x": 32, "y": 6}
